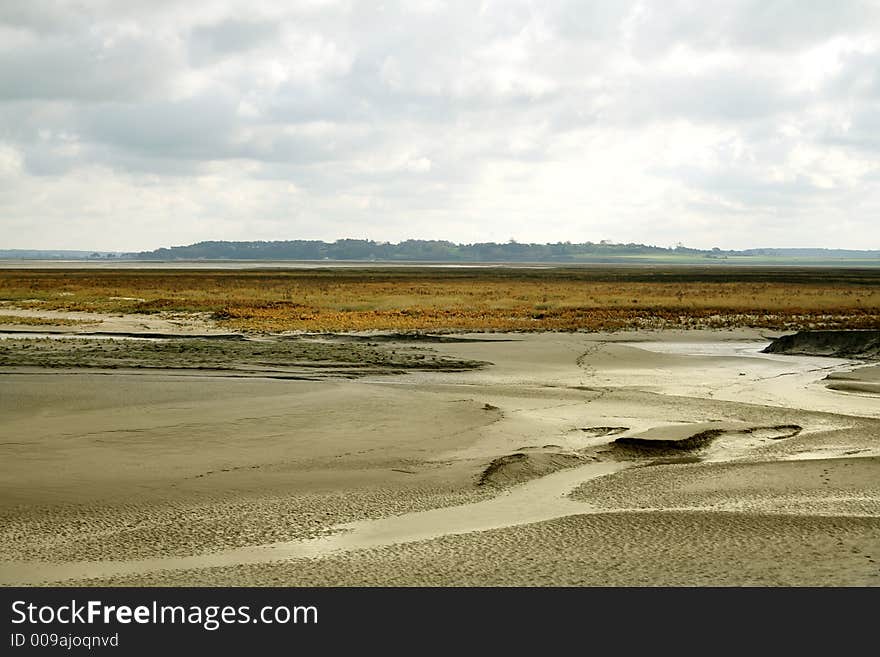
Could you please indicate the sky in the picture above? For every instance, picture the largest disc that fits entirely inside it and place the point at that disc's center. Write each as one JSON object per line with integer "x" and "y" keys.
{"x": 134, "y": 124}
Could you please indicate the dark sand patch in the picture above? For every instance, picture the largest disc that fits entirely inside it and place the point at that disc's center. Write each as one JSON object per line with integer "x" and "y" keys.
{"x": 862, "y": 344}
{"x": 520, "y": 467}
{"x": 223, "y": 353}
{"x": 684, "y": 438}
{"x": 143, "y": 335}
{"x": 599, "y": 432}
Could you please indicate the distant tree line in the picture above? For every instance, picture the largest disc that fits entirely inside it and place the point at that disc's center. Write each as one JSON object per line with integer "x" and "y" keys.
{"x": 412, "y": 250}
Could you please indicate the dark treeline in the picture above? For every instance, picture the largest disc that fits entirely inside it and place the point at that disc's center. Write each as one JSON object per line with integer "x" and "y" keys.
{"x": 444, "y": 251}
{"x": 409, "y": 250}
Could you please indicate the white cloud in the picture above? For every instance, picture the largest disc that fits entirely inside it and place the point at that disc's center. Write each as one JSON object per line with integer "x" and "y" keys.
{"x": 140, "y": 124}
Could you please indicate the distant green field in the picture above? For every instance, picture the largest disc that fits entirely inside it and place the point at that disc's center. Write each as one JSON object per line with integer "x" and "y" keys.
{"x": 685, "y": 259}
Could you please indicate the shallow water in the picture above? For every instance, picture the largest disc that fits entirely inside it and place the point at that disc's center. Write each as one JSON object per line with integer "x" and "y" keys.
{"x": 262, "y": 264}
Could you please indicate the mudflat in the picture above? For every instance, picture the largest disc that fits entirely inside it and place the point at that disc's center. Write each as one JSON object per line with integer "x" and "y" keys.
{"x": 640, "y": 457}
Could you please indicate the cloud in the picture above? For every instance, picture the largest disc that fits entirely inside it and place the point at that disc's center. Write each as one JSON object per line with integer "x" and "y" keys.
{"x": 769, "y": 25}
{"x": 201, "y": 127}
{"x": 229, "y": 37}
{"x": 639, "y": 121}
{"x": 84, "y": 67}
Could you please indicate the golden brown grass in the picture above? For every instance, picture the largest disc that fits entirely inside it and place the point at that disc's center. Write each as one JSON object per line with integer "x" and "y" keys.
{"x": 598, "y": 298}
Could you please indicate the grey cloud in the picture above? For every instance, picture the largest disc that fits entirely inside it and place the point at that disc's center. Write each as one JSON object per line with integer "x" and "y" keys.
{"x": 755, "y": 189}
{"x": 305, "y": 149}
{"x": 862, "y": 131}
{"x": 22, "y": 121}
{"x": 793, "y": 23}
{"x": 42, "y": 16}
{"x": 760, "y": 24}
{"x": 47, "y": 159}
{"x": 300, "y": 103}
{"x": 82, "y": 68}
{"x": 207, "y": 128}
{"x": 723, "y": 96}
{"x": 599, "y": 20}
{"x": 742, "y": 187}
{"x": 202, "y": 127}
{"x": 859, "y": 77}
{"x": 228, "y": 37}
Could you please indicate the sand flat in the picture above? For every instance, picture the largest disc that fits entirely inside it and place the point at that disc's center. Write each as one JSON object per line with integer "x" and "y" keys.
{"x": 357, "y": 477}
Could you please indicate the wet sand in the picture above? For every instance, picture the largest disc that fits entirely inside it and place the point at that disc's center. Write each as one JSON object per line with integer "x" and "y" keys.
{"x": 508, "y": 474}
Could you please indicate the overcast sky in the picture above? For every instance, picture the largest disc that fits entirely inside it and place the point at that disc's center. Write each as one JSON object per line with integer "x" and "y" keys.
{"x": 134, "y": 124}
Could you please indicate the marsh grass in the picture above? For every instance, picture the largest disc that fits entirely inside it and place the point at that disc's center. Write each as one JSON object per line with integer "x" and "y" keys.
{"x": 596, "y": 298}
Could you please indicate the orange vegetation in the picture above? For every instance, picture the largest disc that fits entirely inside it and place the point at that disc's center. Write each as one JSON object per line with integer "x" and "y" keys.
{"x": 419, "y": 298}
